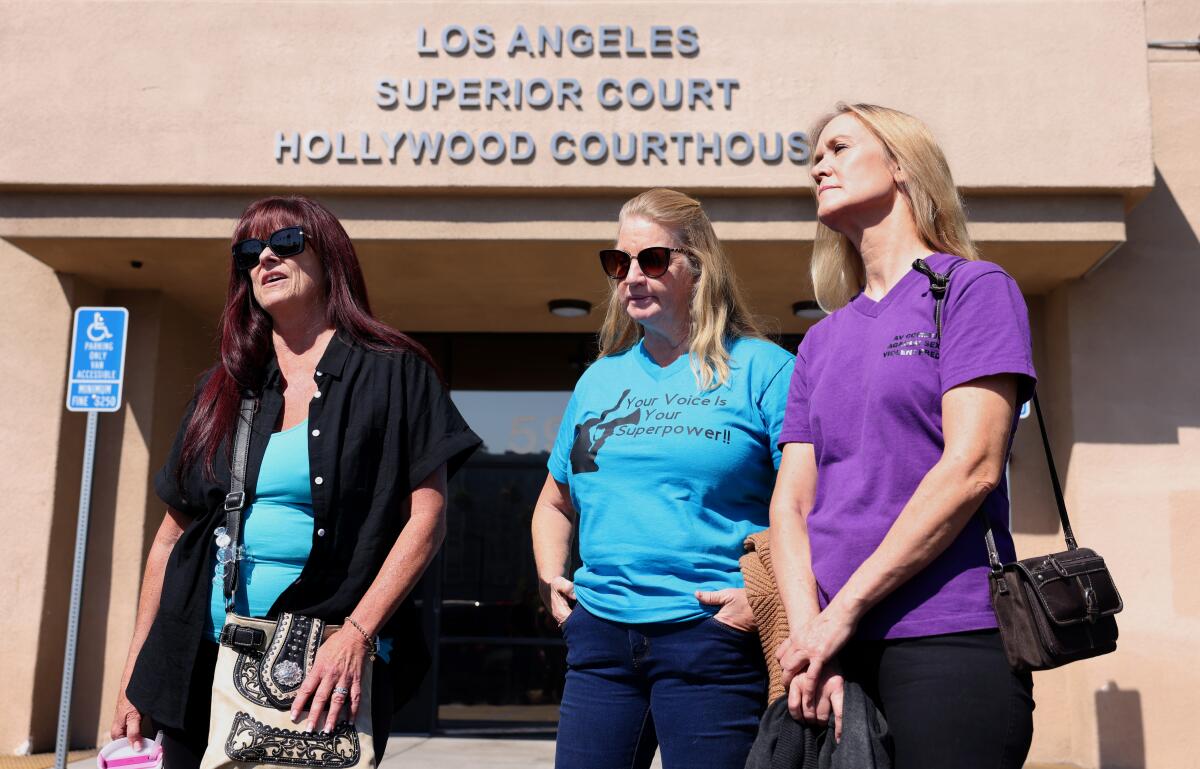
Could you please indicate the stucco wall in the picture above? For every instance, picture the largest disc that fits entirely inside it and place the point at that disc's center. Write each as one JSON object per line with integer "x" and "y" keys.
{"x": 31, "y": 414}
{"x": 1036, "y": 94}
{"x": 1045, "y": 97}
{"x": 1129, "y": 335}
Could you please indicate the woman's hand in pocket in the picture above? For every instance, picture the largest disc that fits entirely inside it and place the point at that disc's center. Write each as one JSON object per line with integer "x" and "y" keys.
{"x": 735, "y": 609}
{"x": 559, "y": 597}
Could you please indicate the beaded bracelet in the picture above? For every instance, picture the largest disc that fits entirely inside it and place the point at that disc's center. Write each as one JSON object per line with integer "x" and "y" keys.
{"x": 372, "y": 644}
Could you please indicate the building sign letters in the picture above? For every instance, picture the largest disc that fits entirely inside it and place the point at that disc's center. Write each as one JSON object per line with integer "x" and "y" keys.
{"x": 548, "y": 95}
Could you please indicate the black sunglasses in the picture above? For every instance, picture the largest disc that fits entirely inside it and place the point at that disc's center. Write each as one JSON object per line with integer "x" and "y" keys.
{"x": 286, "y": 242}
{"x": 653, "y": 261}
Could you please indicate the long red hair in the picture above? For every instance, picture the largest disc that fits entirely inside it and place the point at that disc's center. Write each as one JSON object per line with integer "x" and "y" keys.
{"x": 245, "y": 328}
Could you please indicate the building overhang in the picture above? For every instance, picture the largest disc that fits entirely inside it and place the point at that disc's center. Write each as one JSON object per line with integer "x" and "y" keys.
{"x": 480, "y": 263}
{"x": 1041, "y": 107}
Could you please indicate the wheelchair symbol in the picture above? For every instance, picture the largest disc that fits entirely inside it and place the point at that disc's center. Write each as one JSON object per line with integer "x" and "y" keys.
{"x": 97, "y": 331}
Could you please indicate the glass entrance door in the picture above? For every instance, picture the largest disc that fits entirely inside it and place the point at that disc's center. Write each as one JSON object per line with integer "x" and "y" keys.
{"x": 498, "y": 660}
{"x": 501, "y": 659}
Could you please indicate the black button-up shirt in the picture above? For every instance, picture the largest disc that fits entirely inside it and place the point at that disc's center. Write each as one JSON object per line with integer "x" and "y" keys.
{"x": 378, "y": 425}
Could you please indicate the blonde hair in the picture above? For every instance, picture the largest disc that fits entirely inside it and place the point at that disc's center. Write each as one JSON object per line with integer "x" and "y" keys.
{"x": 837, "y": 268}
{"x": 718, "y": 311}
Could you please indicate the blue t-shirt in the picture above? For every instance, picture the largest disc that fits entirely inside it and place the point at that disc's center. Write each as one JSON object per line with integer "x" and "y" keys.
{"x": 277, "y": 533}
{"x": 668, "y": 480}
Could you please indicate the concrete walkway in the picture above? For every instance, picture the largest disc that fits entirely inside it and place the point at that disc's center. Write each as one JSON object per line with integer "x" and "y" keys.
{"x": 409, "y": 752}
{"x": 464, "y": 752}
{"x": 419, "y": 752}
{"x": 405, "y": 752}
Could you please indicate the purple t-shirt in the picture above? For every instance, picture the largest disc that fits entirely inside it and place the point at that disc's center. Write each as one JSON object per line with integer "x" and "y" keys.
{"x": 866, "y": 392}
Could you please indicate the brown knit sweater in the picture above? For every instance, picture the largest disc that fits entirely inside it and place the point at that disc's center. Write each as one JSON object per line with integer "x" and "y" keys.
{"x": 763, "y": 595}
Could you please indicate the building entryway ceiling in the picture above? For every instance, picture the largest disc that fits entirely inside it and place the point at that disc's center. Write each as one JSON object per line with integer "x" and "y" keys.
{"x": 491, "y": 263}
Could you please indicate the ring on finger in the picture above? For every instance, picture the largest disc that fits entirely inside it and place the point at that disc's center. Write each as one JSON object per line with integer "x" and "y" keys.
{"x": 341, "y": 690}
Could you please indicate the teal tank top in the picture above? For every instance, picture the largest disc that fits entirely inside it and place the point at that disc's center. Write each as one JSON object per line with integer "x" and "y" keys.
{"x": 277, "y": 533}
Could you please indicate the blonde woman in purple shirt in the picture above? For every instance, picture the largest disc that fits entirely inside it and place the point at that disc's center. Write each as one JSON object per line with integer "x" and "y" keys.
{"x": 894, "y": 447}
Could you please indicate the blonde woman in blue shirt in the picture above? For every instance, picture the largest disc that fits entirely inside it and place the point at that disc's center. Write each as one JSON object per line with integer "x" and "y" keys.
{"x": 664, "y": 463}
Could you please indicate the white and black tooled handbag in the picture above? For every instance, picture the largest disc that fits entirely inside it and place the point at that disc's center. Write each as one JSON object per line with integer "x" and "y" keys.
{"x": 261, "y": 665}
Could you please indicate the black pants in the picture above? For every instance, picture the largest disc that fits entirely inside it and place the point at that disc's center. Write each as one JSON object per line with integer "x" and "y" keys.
{"x": 951, "y": 701}
{"x": 183, "y": 748}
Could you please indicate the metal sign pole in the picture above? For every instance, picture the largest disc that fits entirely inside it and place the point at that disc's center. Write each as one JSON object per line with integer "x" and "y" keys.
{"x": 95, "y": 380}
{"x": 68, "y": 679}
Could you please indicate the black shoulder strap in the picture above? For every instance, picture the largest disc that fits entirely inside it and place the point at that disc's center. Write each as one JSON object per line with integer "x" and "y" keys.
{"x": 939, "y": 283}
{"x": 235, "y": 500}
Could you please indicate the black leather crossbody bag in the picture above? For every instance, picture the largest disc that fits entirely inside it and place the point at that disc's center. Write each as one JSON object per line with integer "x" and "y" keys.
{"x": 1051, "y": 609}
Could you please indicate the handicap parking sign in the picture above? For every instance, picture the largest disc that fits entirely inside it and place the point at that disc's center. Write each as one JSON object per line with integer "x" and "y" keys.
{"x": 97, "y": 368}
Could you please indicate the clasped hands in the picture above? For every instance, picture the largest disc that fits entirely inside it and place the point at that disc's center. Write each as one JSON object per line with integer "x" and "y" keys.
{"x": 811, "y": 675}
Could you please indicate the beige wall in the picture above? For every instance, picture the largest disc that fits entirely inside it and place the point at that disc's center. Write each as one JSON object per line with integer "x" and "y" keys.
{"x": 149, "y": 151}
{"x": 1138, "y": 431}
{"x": 194, "y": 92}
{"x": 41, "y": 448}
{"x": 1123, "y": 342}
{"x": 34, "y": 479}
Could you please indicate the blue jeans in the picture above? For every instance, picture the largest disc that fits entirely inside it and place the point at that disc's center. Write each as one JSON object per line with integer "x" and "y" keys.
{"x": 696, "y": 688}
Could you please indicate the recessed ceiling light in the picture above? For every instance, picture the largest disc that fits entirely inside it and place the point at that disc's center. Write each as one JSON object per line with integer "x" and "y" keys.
{"x": 808, "y": 309}
{"x": 569, "y": 308}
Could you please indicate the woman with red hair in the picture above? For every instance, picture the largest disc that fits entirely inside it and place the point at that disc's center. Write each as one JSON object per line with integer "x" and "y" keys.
{"x": 351, "y": 441}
